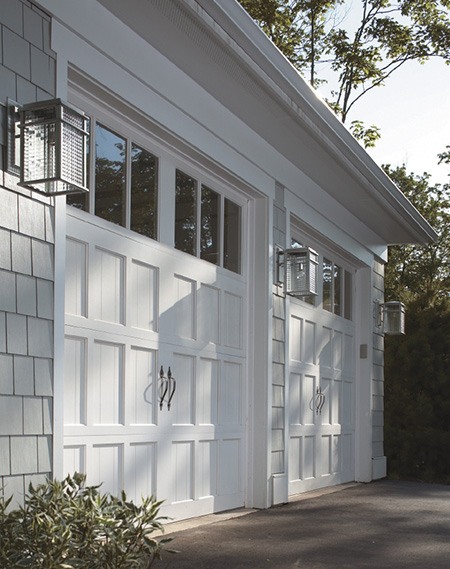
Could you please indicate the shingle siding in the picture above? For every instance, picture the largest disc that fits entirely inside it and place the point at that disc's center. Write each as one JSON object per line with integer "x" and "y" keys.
{"x": 278, "y": 347}
{"x": 27, "y": 74}
{"x": 377, "y": 369}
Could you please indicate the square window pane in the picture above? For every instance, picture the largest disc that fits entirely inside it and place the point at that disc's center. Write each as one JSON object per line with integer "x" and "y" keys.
{"x": 144, "y": 192}
{"x": 185, "y": 213}
{"x": 348, "y": 295}
{"x": 79, "y": 200}
{"x": 308, "y": 298}
{"x": 232, "y": 237}
{"x": 110, "y": 172}
{"x": 210, "y": 226}
{"x": 326, "y": 287}
{"x": 337, "y": 290}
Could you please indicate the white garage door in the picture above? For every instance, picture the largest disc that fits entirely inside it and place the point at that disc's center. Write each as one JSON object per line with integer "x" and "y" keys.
{"x": 134, "y": 306}
{"x": 321, "y": 398}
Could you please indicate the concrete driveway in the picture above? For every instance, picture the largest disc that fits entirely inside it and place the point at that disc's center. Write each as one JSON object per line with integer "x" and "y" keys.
{"x": 381, "y": 525}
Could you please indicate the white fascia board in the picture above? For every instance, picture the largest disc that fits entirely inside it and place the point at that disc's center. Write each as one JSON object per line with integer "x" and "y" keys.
{"x": 286, "y": 83}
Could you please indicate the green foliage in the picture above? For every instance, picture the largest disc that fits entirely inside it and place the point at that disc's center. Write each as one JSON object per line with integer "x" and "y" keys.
{"x": 417, "y": 366}
{"x": 297, "y": 27}
{"x": 417, "y": 397}
{"x": 420, "y": 275}
{"x": 444, "y": 157}
{"x": 367, "y": 135}
{"x": 317, "y": 37}
{"x": 67, "y": 525}
{"x": 356, "y": 58}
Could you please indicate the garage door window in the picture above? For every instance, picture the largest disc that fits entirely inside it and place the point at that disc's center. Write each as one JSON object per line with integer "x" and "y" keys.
{"x": 207, "y": 225}
{"x": 124, "y": 183}
{"x": 336, "y": 289}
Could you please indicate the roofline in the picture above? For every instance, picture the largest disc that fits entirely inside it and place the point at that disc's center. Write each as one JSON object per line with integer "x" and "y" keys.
{"x": 283, "y": 81}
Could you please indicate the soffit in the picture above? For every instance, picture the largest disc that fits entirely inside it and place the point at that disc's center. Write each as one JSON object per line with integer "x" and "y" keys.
{"x": 270, "y": 97}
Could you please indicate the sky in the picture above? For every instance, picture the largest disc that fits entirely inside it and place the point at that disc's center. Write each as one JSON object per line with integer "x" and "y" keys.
{"x": 413, "y": 113}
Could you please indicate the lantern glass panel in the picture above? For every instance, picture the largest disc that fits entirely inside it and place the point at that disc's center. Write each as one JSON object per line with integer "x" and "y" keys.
{"x": 301, "y": 272}
{"x": 54, "y": 148}
{"x": 394, "y": 318}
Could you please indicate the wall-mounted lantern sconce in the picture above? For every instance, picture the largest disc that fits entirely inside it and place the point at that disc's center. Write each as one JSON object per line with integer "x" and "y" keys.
{"x": 391, "y": 317}
{"x": 53, "y": 146}
{"x": 300, "y": 270}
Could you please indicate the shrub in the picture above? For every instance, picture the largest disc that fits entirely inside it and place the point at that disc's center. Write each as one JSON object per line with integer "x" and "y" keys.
{"x": 68, "y": 525}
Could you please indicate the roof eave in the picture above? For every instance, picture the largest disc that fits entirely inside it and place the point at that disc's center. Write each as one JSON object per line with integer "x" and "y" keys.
{"x": 269, "y": 61}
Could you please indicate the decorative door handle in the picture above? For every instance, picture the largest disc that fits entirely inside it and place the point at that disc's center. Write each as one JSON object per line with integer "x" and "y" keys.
{"x": 319, "y": 400}
{"x": 163, "y": 387}
{"x": 167, "y": 387}
{"x": 171, "y": 387}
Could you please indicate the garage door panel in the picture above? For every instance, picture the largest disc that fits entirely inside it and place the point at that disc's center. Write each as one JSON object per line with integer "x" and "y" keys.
{"x": 106, "y": 467}
{"x": 207, "y": 468}
{"x": 309, "y": 461}
{"x": 348, "y": 449}
{"x": 141, "y": 387}
{"x": 230, "y": 400}
{"x": 207, "y": 391}
{"x": 208, "y": 314}
{"x": 309, "y": 342}
{"x": 107, "y": 286}
{"x": 143, "y": 295}
{"x": 295, "y": 338}
{"x": 338, "y": 352}
{"x": 347, "y": 404}
{"x": 76, "y": 278}
{"x": 232, "y": 320}
{"x": 184, "y": 307}
{"x": 230, "y": 467}
{"x": 181, "y": 473}
{"x": 336, "y": 461}
{"x": 140, "y": 470}
{"x": 326, "y": 347}
{"x": 74, "y": 459}
{"x": 302, "y": 394}
{"x": 349, "y": 357}
{"x": 106, "y": 384}
{"x": 182, "y": 410}
{"x": 75, "y": 381}
{"x": 325, "y": 406}
{"x": 324, "y": 459}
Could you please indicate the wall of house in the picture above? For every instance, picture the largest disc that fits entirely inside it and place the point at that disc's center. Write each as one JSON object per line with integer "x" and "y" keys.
{"x": 378, "y": 458}
{"x": 278, "y": 449}
{"x": 27, "y": 74}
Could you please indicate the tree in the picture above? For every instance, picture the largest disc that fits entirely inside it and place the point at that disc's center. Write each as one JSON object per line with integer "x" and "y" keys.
{"x": 444, "y": 157}
{"x": 318, "y": 38}
{"x": 420, "y": 275}
{"x": 417, "y": 396}
{"x": 298, "y": 28}
{"x": 417, "y": 366}
{"x": 388, "y": 34}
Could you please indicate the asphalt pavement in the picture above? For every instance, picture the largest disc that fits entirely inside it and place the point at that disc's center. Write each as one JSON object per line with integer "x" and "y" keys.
{"x": 381, "y": 525}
